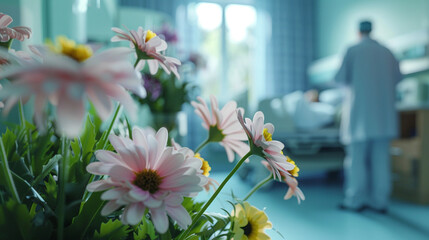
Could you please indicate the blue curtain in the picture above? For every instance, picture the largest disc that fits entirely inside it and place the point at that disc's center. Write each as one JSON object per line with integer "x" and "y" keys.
{"x": 290, "y": 49}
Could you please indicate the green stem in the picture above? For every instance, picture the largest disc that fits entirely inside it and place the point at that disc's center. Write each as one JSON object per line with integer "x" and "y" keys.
{"x": 203, "y": 144}
{"x": 62, "y": 178}
{"x": 130, "y": 131}
{"x": 212, "y": 198}
{"x": 6, "y": 44}
{"x": 7, "y": 173}
{"x": 259, "y": 185}
{"x": 137, "y": 61}
{"x": 21, "y": 113}
{"x": 111, "y": 126}
{"x": 22, "y": 121}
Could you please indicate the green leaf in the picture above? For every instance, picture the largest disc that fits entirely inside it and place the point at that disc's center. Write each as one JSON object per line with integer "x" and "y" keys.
{"x": 15, "y": 221}
{"x": 51, "y": 192}
{"x": 83, "y": 149}
{"x": 192, "y": 206}
{"x": 165, "y": 236}
{"x": 95, "y": 119}
{"x": 113, "y": 229}
{"x": 145, "y": 230}
{"x": 89, "y": 219}
{"x": 47, "y": 169}
{"x": 104, "y": 143}
{"x": 193, "y": 237}
{"x": 88, "y": 141}
{"x": 215, "y": 224}
{"x": 41, "y": 150}
{"x": 9, "y": 140}
{"x": 6, "y": 172}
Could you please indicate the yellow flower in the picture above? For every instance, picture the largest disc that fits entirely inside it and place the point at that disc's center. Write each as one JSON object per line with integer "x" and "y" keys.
{"x": 68, "y": 47}
{"x": 205, "y": 167}
{"x": 250, "y": 223}
{"x": 295, "y": 170}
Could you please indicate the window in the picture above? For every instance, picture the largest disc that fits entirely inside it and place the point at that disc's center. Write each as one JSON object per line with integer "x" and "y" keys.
{"x": 225, "y": 36}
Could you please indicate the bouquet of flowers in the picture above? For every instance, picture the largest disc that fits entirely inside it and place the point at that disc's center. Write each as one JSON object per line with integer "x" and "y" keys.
{"x": 166, "y": 93}
{"x": 65, "y": 177}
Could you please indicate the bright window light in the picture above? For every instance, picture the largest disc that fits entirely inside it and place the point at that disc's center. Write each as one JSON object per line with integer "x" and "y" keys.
{"x": 238, "y": 19}
{"x": 209, "y": 16}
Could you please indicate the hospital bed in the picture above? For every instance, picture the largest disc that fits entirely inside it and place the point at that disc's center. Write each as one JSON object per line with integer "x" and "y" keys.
{"x": 314, "y": 149}
{"x": 319, "y": 149}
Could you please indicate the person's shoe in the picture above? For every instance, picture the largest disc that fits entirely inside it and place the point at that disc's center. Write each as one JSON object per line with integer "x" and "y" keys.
{"x": 378, "y": 210}
{"x": 345, "y": 208}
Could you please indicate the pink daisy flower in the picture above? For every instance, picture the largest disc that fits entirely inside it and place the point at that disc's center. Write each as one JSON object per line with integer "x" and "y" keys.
{"x": 262, "y": 144}
{"x": 148, "y": 48}
{"x": 293, "y": 190}
{"x": 67, "y": 84}
{"x": 223, "y": 126}
{"x": 145, "y": 174}
{"x": 203, "y": 170}
{"x": 291, "y": 181}
{"x": 6, "y": 33}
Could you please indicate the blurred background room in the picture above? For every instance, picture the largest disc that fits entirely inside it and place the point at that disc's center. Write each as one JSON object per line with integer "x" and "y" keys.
{"x": 279, "y": 57}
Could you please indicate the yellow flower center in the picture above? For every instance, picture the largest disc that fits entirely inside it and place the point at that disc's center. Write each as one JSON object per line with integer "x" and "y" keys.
{"x": 66, "y": 45}
{"x": 148, "y": 180}
{"x": 78, "y": 52}
{"x": 268, "y": 136}
{"x": 81, "y": 53}
{"x": 205, "y": 167}
{"x": 149, "y": 35}
{"x": 295, "y": 170}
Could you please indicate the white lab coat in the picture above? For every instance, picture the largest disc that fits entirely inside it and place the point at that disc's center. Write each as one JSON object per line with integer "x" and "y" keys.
{"x": 370, "y": 73}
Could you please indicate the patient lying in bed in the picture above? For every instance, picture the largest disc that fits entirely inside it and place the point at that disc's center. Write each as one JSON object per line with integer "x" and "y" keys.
{"x": 309, "y": 111}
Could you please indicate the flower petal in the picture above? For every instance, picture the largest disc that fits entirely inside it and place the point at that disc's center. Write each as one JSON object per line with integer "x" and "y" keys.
{"x": 5, "y": 20}
{"x": 159, "y": 219}
{"x": 70, "y": 115}
{"x": 110, "y": 207}
{"x": 98, "y": 186}
{"x": 180, "y": 215}
{"x": 133, "y": 213}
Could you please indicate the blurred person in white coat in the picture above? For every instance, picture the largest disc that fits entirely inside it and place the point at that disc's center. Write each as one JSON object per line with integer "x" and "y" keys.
{"x": 369, "y": 73}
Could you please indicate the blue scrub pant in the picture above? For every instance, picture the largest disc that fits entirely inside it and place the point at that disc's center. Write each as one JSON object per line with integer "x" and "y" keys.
{"x": 367, "y": 174}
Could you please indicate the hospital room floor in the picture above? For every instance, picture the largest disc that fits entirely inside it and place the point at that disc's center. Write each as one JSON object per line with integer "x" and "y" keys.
{"x": 318, "y": 216}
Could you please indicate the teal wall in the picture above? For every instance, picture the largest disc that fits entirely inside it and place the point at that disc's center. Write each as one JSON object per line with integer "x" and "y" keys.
{"x": 337, "y": 20}
{"x": 68, "y": 18}
{"x": 100, "y": 19}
